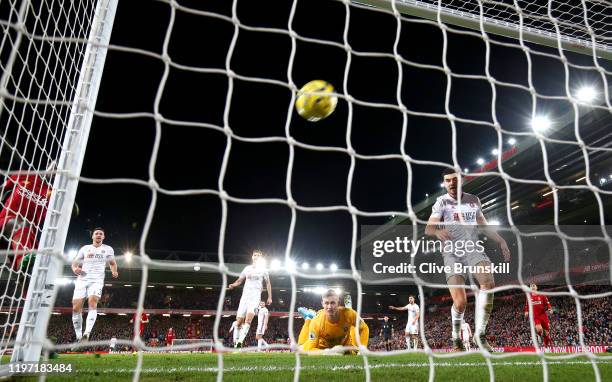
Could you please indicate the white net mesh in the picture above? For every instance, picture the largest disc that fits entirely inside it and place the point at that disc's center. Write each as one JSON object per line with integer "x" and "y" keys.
{"x": 238, "y": 78}
{"x": 41, "y": 54}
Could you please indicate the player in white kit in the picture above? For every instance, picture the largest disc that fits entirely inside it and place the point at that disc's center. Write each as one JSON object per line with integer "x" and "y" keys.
{"x": 453, "y": 222}
{"x": 262, "y": 324}
{"x": 89, "y": 265}
{"x": 412, "y": 325}
{"x": 255, "y": 275}
{"x": 235, "y": 333}
{"x": 466, "y": 335}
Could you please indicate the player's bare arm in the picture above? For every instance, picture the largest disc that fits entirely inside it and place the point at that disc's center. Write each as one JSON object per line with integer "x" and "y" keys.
{"x": 113, "y": 266}
{"x": 416, "y": 318}
{"x": 269, "y": 289}
{"x": 432, "y": 229}
{"x": 491, "y": 234}
{"x": 76, "y": 267}
{"x": 236, "y": 283}
{"x": 400, "y": 308}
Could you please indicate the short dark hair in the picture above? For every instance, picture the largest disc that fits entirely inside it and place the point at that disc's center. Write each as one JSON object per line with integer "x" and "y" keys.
{"x": 412, "y": 296}
{"x": 448, "y": 171}
{"x": 258, "y": 251}
{"x": 98, "y": 229}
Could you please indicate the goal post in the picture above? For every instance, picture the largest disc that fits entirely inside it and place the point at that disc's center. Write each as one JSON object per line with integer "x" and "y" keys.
{"x": 79, "y": 87}
{"x": 31, "y": 335}
{"x": 585, "y": 39}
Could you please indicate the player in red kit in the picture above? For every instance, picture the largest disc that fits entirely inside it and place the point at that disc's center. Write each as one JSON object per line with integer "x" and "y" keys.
{"x": 170, "y": 337}
{"x": 22, "y": 212}
{"x": 540, "y": 317}
{"x": 144, "y": 319}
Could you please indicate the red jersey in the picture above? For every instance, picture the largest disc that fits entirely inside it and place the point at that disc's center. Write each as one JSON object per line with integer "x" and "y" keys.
{"x": 540, "y": 305}
{"x": 144, "y": 319}
{"x": 169, "y": 337}
{"x": 28, "y": 197}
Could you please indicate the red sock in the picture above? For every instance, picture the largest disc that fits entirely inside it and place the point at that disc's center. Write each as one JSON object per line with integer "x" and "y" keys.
{"x": 547, "y": 341}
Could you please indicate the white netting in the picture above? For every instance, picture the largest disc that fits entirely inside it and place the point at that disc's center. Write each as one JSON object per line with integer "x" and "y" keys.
{"x": 41, "y": 53}
{"x": 194, "y": 344}
{"x": 585, "y": 20}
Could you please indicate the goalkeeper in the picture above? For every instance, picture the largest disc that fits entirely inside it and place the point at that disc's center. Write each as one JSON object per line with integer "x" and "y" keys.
{"x": 331, "y": 326}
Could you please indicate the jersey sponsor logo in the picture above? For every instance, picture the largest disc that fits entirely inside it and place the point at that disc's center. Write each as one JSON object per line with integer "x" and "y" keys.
{"x": 467, "y": 216}
{"x": 34, "y": 197}
{"x": 333, "y": 340}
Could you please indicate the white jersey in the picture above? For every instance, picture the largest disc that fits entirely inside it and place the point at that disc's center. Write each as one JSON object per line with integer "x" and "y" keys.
{"x": 113, "y": 343}
{"x": 94, "y": 261}
{"x": 448, "y": 210}
{"x": 466, "y": 332}
{"x": 262, "y": 313}
{"x": 261, "y": 320}
{"x": 254, "y": 278}
{"x": 412, "y": 310}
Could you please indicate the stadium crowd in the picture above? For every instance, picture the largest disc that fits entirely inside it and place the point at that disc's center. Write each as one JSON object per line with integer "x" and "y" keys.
{"x": 596, "y": 317}
{"x": 161, "y": 297}
{"x": 509, "y": 307}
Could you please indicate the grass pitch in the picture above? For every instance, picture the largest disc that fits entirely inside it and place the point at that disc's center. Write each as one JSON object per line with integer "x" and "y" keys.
{"x": 270, "y": 367}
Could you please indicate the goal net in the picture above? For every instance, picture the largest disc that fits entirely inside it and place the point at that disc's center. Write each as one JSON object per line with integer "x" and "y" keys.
{"x": 51, "y": 56}
{"x": 192, "y": 345}
{"x": 513, "y": 95}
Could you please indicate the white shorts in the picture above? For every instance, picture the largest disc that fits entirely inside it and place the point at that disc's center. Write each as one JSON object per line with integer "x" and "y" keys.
{"x": 261, "y": 329}
{"x": 248, "y": 304}
{"x": 86, "y": 288}
{"x": 412, "y": 329}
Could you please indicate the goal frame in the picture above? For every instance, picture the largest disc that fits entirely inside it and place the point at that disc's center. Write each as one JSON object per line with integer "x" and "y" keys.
{"x": 507, "y": 29}
{"x": 31, "y": 334}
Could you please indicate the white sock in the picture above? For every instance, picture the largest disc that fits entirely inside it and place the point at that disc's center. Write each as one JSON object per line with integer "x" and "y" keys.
{"x": 77, "y": 322}
{"x": 457, "y": 319}
{"x": 484, "y": 306}
{"x": 408, "y": 342}
{"x": 91, "y": 319}
{"x": 236, "y": 333}
{"x": 260, "y": 344}
{"x": 244, "y": 330}
{"x": 416, "y": 343}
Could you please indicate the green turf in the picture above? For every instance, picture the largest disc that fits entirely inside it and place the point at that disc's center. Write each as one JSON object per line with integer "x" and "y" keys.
{"x": 270, "y": 367}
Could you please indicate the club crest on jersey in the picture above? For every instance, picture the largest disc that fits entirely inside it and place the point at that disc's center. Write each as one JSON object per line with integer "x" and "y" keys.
{"x": 311, "y": 336}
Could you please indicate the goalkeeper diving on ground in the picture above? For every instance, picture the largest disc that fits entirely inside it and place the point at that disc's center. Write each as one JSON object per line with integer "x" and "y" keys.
{"x": 332, "y": 326}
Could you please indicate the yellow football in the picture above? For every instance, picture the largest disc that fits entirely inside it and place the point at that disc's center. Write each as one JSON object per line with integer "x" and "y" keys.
{"x": 316, "y": 101}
